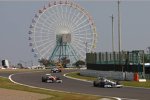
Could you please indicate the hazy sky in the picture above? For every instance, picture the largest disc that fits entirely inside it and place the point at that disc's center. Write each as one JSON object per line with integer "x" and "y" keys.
{"x": 16, "y": 16}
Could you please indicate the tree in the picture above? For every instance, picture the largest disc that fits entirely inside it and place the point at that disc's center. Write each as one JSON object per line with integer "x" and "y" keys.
{"x": 19, "y": 65}
{"x": 64, "y": 61}
{"x": 45, "y": 62}
{"x": 79, "y": 62}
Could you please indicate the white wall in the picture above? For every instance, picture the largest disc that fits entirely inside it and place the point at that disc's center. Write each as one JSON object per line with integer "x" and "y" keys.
{"x": 108, "y": 74}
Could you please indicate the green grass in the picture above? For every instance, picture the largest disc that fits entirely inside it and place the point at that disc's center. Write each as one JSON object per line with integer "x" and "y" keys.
{"x": 77, "y": 75}
{"x": 137, "y": 84}
{"x": 12, "y": 71}
{"x": 125, "y": 83}
{"x": 6, "y": 83}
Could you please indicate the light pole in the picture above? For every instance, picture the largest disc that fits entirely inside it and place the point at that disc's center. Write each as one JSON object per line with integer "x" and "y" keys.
{"x": 119, "y": 27}
{"x": 149, "y": 54}
{"x": 86, "y": 50}
{"x": 86, "y": 54}
{"x": 119, "y": 36}
{"x": 143, "y": 64}
{"x": 112, "y": 17}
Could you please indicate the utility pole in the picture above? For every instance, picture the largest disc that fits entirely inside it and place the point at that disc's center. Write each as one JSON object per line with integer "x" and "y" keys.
{"x": 86, "y": 51}
{"x": 149, "y": 54}
{"x": 119, "y": 33}
{"x": 143, "y": 64}
{"x": 112, "y": 17}
{"x": 119, "y": 27}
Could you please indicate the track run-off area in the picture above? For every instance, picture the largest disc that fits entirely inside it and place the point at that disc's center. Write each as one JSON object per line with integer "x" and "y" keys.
{"x": 77, "y": 86}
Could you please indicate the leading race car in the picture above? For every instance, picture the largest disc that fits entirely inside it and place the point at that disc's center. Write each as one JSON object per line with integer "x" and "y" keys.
{"x": 51, "y": 79}
{"x": 56, "y": 70}
{"x": 103, "y": 82}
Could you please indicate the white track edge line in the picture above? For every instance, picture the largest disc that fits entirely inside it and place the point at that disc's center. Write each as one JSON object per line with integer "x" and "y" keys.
{"x": 54, "y": 90}
{"x": 89, "y": 82}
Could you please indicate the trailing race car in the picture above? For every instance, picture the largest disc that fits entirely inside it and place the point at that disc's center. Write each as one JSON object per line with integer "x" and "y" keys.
{"x": 55, "y": 70}
{"x": 51, "y": 79}
{"x": 103, "y": 82}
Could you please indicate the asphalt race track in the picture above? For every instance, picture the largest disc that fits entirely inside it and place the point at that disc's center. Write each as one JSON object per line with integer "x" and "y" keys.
{"x": 70, "y": 85}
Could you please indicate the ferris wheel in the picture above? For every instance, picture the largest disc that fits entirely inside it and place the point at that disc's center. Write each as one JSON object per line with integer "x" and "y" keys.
{"x": 62, "y": 29}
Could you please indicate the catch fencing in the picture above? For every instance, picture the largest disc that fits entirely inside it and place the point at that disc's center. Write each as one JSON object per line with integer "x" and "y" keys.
{"x": 116, "y": 61}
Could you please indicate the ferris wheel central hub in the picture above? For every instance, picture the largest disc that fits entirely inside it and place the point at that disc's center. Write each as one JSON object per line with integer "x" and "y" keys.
{"x": 64, "y": 30}
{"x": 63, "y": 38}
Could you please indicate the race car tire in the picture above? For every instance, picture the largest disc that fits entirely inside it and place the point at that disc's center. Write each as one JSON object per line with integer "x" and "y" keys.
{"x": 102, "y": 84}
{"x": 59, "y": 81}
{"x": 95, "y": 84}
{"x": 49, "y": 81}
{"x": 43, "y": 79}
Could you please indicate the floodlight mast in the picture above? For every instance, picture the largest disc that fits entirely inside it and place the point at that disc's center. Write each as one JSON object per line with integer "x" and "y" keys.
{"x": 112, "y": 17}
{"x": 119, "y": 32}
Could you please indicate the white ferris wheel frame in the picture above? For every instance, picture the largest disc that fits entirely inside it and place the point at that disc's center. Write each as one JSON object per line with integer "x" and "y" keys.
{"x": 77, "y": 41}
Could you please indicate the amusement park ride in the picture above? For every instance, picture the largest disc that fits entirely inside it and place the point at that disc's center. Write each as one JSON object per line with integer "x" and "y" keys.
{"x": 63, "y": 29}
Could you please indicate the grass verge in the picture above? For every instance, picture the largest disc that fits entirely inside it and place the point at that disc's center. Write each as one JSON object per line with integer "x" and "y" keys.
{"x": 77, "y": 75}
{"x": 125, "y": 83}
{"x": 6, "y": 83}
{"x": 137, "y": 84}
{"x": 13, "y": 71}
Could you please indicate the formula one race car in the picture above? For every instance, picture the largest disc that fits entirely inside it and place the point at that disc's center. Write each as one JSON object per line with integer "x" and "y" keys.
{"x": 51, "y": 79}
{"x": 105, "y": 83}
{"x": 55, "y": 70}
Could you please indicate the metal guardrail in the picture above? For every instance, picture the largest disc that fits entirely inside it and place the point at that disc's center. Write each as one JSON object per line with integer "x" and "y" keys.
{"x": 147, "y": 76}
